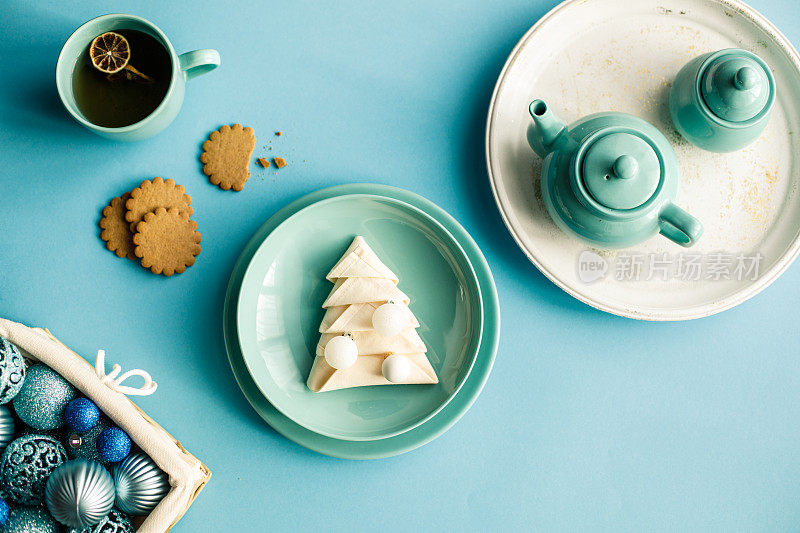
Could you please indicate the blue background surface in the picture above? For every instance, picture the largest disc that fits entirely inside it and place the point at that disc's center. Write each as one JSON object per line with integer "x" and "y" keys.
{"x": 589, "y": 421}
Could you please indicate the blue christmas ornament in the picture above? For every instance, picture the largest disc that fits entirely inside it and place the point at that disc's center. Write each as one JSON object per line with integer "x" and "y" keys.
{"x": 26, "y": 464}
{"x": 4, "y": 510}
{"x": 44, "y": 395}
{"x": 30, "y": 520}
{"x": 113, "y": 445}
{"x": 113, "y": 522}
{"x": 84, "y": 445}
{"x": 79, "y": 493}
{"x": 81, "y": 414}
{"x": 141, "y": 485}
{"x": 6, "y": 427}
{"x": 12, "y": 371}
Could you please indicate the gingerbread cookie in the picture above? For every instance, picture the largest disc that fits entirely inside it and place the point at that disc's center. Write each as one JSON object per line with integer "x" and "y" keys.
{"x": 167, "y": 241}
{"x": 116, "y": 230}
{"x": 151, "y": 195}
{"x": 226, "y": 156}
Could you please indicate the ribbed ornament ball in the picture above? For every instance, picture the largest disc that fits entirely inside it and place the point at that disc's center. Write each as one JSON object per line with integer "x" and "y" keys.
{"x": 12, "y": 371}
{"x": 6, "y": 427}
{"x": 44, "y": 395}
{"x": 141, "y": 485}
{"x": 26, "y": 464}
{"x": 30, "y": 520}
{"x": 79, "y": 493}
{"x": 113, "y": 522}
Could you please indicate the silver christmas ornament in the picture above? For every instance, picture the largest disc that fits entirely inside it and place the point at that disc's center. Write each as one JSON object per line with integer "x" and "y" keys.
{"x": 6, "y": 427}
{"x": 79, "y": 493}
{"x": 141, "y": 485}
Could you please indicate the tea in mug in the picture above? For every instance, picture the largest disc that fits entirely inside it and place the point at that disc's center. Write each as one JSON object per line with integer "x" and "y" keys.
{"x": 130, "y": 95}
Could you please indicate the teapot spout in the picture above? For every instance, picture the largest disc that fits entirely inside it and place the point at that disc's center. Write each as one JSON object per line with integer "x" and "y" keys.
{"x": 546, "y": 128}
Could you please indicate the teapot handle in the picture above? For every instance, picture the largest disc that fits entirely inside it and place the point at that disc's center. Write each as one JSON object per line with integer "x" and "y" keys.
{"x": 679, "y": 226}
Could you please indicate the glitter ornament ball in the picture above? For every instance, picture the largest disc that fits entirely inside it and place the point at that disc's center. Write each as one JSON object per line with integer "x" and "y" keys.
{"x": 26, "y": 464}
{"x": 44, "y": 395}
{"x": 341, "y": 352}
{"x": 79, "y": 493}
{"x": 113, "y": 522}
{"x": 396, "y": 368}
{"x": 113, "y": 445}
{"x": 12, "y": 371}
{"x": 389, "y": 319}
{"x": 6, "y": 427}
{"x": 4, "y": 510}
{"x": 30, "y": 520}
{"x": 81, "y": 414}
{"x": 141, "y": 485}
{"x": 84, "y": 445}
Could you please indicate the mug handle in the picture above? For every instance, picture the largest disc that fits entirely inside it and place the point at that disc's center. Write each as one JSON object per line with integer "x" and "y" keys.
{"x": 679, "y": 226}
{"x": 198, "y": 62}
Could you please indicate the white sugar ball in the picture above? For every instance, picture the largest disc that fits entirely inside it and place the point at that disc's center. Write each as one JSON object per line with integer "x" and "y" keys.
{"x": 341, "y": 352}
{"x": 390, "y": 319}
{"x": 396, "y": 368}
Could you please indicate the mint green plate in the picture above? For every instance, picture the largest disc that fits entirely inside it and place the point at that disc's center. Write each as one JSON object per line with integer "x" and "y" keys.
{"x": 280, "y": 309}
{"x": 424, "y": 432}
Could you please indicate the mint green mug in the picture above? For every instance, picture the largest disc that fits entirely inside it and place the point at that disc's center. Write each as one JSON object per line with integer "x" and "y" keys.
{"x": 184, "y": 67}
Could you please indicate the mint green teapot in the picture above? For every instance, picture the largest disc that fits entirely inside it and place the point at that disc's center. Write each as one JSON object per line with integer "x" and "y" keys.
{"x": 609, "y": 179}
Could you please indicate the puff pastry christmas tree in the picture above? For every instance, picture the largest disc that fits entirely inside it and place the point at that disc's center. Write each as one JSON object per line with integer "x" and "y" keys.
{"x": 369, "y": 334}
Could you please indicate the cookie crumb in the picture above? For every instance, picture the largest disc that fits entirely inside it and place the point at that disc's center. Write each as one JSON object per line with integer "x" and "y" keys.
{"x": 279, "y": 162}
{"x": 263, "y": 162}
{"x": 278, "y": 133}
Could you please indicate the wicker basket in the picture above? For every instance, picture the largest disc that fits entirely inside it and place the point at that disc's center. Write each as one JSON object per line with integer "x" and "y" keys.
{"x": 187, "y": 475}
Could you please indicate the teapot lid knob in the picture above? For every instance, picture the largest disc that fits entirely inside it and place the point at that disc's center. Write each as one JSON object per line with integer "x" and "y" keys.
{"x": 625, "y": 167}
{"x": 745, "y": 78}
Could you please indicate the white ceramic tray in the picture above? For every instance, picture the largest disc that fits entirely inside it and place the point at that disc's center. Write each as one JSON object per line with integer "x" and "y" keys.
{"x": 586, "y": 56}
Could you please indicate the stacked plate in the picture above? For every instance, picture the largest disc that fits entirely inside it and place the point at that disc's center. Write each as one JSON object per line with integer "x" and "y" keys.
{"x": 273, "y": 311}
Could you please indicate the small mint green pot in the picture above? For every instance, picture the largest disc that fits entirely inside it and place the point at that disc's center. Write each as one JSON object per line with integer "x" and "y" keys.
{"x": 609, "y": 179}
{"x": 184, "y": 67}
{"x": 721, "y": 101}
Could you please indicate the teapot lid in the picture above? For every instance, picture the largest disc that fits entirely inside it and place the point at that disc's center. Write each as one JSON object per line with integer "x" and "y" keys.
{"x": 736, "y": 85}
{"x": 621, "y": 170}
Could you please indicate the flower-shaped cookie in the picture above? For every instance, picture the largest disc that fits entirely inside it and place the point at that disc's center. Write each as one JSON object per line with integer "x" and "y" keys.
{"x": 155, "y": 193}
{"x": 167, "y": 241}
{"x": 116, "y": 230}
{"x": 226, "y": 156}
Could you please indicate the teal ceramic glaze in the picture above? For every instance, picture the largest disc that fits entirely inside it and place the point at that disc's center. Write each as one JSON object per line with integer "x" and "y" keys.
{"x": 721, "y": 101}
{"x": 413, "y": 438}
{"x": 280, "y": 309}
{"x": 609, "y": 179}
{"x": 184, "y": 67}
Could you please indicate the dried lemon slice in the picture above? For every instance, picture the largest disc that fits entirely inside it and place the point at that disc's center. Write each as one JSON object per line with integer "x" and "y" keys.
{"x": 110, "y": 52}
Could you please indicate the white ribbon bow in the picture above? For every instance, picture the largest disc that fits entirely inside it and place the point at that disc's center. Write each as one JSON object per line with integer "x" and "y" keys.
{"x": 115, "y": 383}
